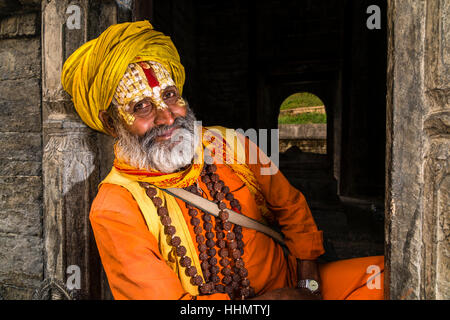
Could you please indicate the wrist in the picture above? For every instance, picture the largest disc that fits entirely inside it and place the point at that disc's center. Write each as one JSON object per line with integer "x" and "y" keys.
{"x": 310, "y": 285}
{"x": 308, "y": 269}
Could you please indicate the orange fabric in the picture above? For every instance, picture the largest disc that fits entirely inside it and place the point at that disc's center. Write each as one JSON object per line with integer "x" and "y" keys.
{"x": 347, "y": 279}
{"x": 134, "y": 267}
{"x": 129, "y": 252}
{"x": 136, "y": 270}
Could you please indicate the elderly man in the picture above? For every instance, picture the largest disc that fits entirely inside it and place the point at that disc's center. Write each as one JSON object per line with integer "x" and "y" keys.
{"x": 153, "y": 245}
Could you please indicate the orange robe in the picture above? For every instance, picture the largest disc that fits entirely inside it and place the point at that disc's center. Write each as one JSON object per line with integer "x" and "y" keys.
{"x": 136, "y": 270}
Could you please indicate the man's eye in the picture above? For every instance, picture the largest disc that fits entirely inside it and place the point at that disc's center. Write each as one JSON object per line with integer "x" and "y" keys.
{"x": 169, "y": 95}
{"x": 141, "y": 106}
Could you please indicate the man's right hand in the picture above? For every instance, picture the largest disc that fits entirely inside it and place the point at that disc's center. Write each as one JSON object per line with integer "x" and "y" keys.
{"x": 288, "y": 294}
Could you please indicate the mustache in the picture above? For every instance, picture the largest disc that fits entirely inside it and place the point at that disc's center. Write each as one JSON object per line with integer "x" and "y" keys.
{"x": 149, "y": 138}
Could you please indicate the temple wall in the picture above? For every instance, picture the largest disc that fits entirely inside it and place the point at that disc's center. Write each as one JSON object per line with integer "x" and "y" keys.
{"x": 418, "y": 157}
{"x": 21, "y": 239}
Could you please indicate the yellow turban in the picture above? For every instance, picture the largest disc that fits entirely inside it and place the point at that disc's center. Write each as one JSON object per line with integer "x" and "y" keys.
{"x": 92, "y": 73}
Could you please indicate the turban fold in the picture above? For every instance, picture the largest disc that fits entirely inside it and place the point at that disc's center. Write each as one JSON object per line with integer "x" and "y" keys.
{"x": 92, "y": 73}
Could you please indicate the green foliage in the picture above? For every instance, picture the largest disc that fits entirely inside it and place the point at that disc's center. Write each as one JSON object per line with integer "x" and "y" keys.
{"x": 301, "y": 100}
{"x": 303, "y": 118}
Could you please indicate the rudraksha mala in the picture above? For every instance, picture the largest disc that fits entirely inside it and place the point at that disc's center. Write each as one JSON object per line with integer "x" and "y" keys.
{"x": 170, "y": 230}
{"x": 226, "y": 242}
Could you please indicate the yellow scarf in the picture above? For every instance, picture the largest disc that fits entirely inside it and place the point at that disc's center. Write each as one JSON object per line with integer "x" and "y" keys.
{"x": 214, "y": 140}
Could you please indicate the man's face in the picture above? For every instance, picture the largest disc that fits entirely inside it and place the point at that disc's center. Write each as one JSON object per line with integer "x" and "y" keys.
{"x": 148, "y": 116}
{"x": 147, "y": 97}
{"x": 155, "y": 126}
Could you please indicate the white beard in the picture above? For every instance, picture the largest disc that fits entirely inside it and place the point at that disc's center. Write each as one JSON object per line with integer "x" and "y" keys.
{"x": 167, "y": 158}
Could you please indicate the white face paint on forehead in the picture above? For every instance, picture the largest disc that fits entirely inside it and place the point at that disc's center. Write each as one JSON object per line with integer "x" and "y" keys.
{"x": 141, "y": 80}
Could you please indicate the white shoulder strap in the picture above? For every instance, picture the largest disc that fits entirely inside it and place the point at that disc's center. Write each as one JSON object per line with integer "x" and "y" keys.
{"x": 234, "y": 217}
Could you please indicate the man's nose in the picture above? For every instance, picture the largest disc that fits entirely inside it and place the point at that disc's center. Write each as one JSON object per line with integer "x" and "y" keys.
{"x": 164, "y": 117}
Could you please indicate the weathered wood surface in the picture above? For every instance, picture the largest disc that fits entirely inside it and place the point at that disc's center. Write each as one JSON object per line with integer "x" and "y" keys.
{"x": 417, "y": 181}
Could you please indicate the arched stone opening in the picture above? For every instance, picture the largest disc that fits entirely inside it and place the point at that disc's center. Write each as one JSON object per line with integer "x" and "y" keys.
{"x": 302, "y": 124}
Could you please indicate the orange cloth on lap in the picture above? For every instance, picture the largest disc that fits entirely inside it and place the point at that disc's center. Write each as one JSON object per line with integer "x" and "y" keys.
{"x": 347, "y": 279}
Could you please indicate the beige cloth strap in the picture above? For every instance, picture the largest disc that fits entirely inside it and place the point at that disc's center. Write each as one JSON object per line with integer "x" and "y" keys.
{"x": 234, "y": 217}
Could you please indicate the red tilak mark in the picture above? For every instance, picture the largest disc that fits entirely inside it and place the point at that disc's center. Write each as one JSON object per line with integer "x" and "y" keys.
{"x": 151, "y": 77}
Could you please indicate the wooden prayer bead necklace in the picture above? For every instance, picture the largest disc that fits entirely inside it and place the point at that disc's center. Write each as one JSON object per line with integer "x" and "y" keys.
{"x": 170, "y": 230}
{"x": 229, "y": 242}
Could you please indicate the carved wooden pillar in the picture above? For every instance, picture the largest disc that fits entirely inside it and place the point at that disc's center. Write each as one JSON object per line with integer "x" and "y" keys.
{"x": 72, "y": 153}
{"x": 436, "y": 224}
{"x": 418, "y": 153}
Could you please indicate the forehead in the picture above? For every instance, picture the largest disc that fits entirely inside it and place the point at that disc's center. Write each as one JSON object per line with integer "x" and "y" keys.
{"x": 141, "y": 80}
{"x": 156, "y": 74}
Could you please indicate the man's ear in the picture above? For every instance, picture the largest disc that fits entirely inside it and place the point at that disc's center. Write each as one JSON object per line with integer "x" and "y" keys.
{"x": 107, "y": 123}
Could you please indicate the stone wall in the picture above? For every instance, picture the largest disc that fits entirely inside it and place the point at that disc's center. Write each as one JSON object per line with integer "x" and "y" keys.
{"x": 303, "y": 131}
{"x": 21, "y": 240}
{"x": 311, "y": 138}
{"x": 417, "y": 230}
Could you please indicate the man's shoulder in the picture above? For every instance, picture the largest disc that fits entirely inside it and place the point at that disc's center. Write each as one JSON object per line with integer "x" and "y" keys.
{"x": 112, "y": 198}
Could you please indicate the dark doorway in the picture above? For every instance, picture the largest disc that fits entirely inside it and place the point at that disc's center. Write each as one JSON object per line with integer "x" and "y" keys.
{"x": 242, "y": 59}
